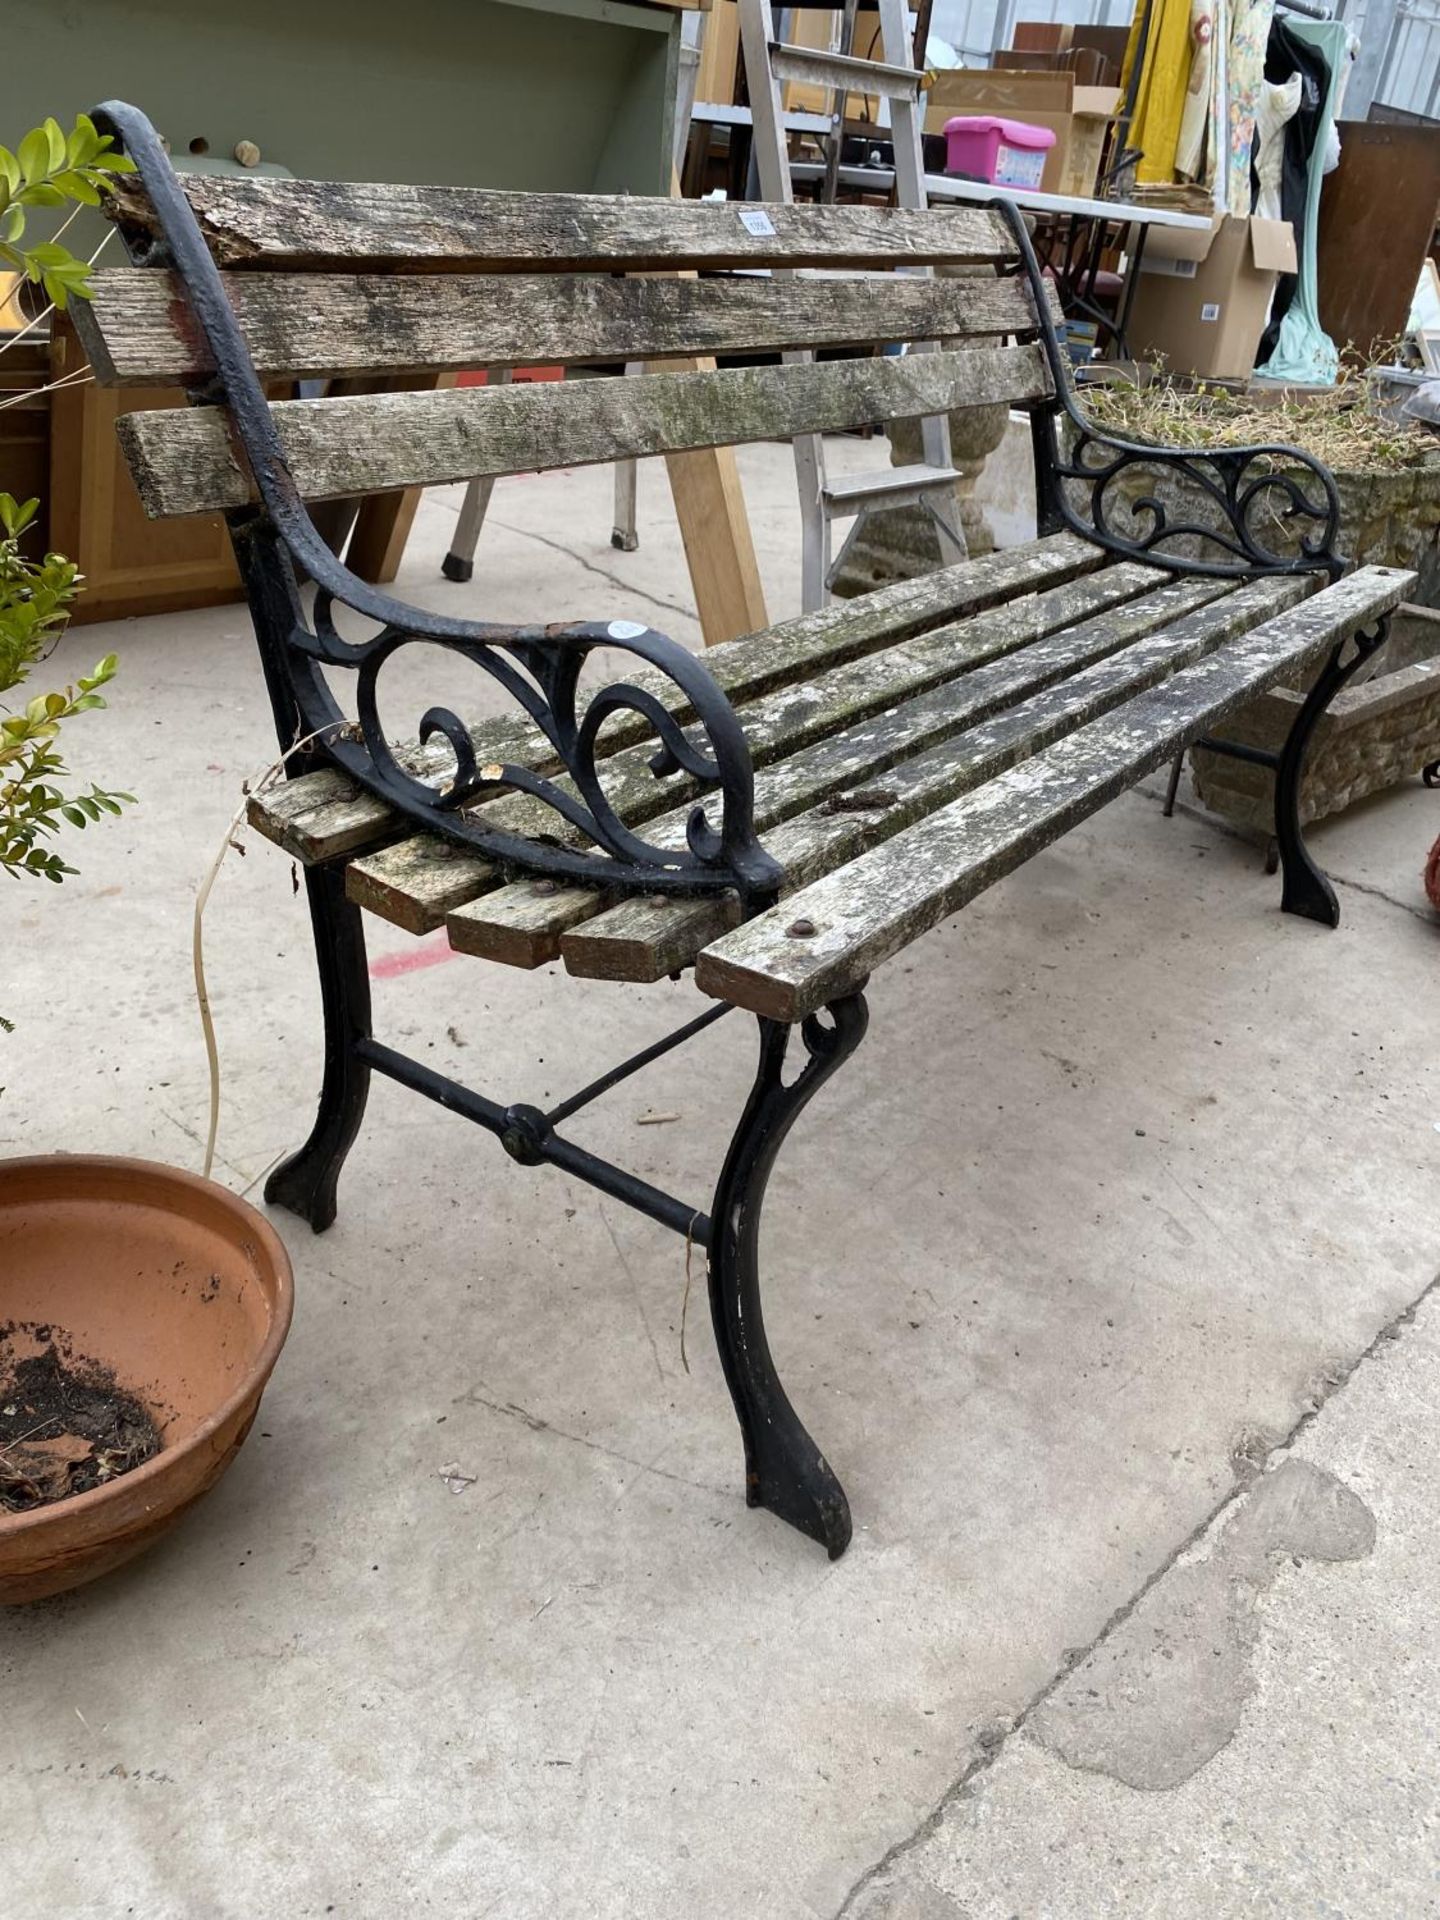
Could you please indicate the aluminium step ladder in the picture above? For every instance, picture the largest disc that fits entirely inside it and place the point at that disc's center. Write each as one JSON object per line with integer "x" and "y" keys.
{"x": 769, "y": 62}
{"x": 459, "y": 562}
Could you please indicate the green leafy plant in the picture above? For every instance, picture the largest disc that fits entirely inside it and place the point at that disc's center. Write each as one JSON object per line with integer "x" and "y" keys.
{"x": 48, "y": 169}
{"x": 35, "y": 598}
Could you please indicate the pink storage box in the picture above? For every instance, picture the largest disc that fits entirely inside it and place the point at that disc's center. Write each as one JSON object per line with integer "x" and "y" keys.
{"x": 1007, "y": 153}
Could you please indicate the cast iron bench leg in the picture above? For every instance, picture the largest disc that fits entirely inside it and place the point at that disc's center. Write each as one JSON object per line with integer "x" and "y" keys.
{"x": 784, "y": 1469}
{"x": 1305, "y": 889}
{"x": 305, "y": 1183}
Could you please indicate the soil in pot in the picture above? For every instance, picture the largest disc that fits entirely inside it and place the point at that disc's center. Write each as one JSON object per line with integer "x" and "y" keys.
{"x": 66, "y": 1424}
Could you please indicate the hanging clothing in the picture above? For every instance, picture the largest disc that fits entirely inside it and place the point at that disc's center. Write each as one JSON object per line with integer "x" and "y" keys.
{"x": 1249, "y": 37}
{"x": 1195, "y": 151}
{"x": 1279, "y": 103}
{"x": 1288, "y": 58}
{"x": 1295, "y": 346}
{"x": 1160, "y": 42}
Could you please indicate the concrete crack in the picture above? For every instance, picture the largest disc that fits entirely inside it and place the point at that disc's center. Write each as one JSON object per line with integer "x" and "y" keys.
{"x": 602, "y": 573}
{"x": 510, "y": 1411}
{"x": 993, "y": 1741}
{"x": 1419, "y": 912}
{"x": 1202, "y": 818}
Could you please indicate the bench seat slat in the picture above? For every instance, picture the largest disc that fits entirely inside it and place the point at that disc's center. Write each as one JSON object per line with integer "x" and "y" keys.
{"x": 872, "y": 747}
{"x": 643, "y": 940}
{"x": 262, "y": 222}
{"x": 520, "y": 925}
{"x": 184, "y": 462}
{"x": 137, "y": 329}
{"x": 876, "y": 905}
{"x": 776, "y": 723}
{"x": 416, "y": 882}
{"x": 990, "y": 658}
{"x": 321, "y": 816}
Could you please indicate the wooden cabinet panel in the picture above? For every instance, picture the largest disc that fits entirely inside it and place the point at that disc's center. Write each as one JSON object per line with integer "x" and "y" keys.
{"x": 131, "y": 565}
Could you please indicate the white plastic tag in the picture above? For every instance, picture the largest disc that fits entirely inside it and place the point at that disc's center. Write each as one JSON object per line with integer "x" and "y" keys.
{"x": 755, "y": 220}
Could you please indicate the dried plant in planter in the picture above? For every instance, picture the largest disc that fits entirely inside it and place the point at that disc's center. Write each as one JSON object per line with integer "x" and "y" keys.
{"x": 1338, "y": 425}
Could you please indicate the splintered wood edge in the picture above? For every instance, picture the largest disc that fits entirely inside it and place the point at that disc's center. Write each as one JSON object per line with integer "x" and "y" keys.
{"x": 415, "y": 883}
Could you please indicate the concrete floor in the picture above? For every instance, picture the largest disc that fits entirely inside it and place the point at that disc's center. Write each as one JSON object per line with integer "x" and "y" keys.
{"x": 1094, "y": 1274}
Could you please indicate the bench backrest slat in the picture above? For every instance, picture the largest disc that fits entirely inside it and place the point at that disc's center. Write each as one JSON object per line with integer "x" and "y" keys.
{"x": 264, "y": 222}
{"x": 137, "y": 329}
{"x": 183, "y": 462}
{"x": 391, "y": 284}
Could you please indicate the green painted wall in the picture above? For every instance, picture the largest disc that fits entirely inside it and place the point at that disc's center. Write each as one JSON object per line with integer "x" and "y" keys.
{"x": 544, "y": 94}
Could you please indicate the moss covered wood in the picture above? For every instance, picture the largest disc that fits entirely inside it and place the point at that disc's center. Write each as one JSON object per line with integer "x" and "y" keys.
{"x": 263, "y": 223}
{"x": 416, "y": 882}
{"x": 137, "y": 329}
{"x": 186, "y": 462}
{"x": 876, "y": 905}
{"x": 519, "y": 925}
{"x": 856, "y": 784}
{"x": 645, "y": 939}
{"x": 852, "y": 774}
{"x": 322, "y": 816}
{"x": 782, "y": 722}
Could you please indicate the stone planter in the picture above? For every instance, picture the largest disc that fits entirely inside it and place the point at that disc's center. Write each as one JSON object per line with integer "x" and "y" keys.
{"x": 1373, "y": 735}
{"x": 1379, "y": 731}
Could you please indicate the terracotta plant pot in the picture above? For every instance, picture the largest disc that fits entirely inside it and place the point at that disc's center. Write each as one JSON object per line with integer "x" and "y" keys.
{"x": 180, "y": 1288}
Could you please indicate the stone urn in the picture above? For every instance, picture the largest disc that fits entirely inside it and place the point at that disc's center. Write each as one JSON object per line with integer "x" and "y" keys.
{"x": 905, "y": 541}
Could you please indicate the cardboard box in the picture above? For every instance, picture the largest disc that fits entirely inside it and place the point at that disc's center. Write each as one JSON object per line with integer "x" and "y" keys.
{"x": 1203, "y": 296}
{"x": 1047, "y": 97}
{"x": 1043, "y": 99}
{"x": 1042, "y": 36}
{"x": 1094, "y": 109}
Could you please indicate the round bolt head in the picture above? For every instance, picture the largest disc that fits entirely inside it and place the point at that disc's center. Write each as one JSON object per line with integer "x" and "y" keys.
{"x": 800, "y": 929}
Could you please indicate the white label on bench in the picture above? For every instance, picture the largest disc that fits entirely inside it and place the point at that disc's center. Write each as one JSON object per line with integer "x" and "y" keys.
{"x": 755, "y": 220}
{"x": 626, "y": 629}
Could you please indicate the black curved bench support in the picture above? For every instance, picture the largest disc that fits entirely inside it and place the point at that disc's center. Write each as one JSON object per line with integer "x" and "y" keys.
{"x": 784, "y": 1469}
{"x": 305, "y": 1183}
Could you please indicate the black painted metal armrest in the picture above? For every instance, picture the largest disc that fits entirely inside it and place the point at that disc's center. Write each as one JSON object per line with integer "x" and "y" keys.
{"x": 1232, "y": 500}
{"x": 539, "y": 667}
{"x": 697, "y": 733}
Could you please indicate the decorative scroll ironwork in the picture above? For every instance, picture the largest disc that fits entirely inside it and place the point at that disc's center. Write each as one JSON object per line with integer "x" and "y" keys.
{"x": 1248, "y": 491}
{"x": 695, "y": 728}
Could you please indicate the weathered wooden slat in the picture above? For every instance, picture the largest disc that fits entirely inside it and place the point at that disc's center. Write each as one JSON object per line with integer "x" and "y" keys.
{"x": 265, "y": 222}
{"x": 970, "y": 671}
{"x": 517, "y": 925}
{"x": 137, "y": 329}
{"x": 804, "y": 758}
{"x": 184, "y": 462}
{"x": 779, "y": 725}
{"x": 791, "y": 717}
{"x": 416, "y": 882}
{"x": 321, "y": 816}
{"x": 876, "y": 905}
{"x": 643, "y": 940}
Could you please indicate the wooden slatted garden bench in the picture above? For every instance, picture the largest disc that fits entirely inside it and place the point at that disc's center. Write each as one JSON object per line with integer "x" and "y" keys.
{"x": 797, "y": 808}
